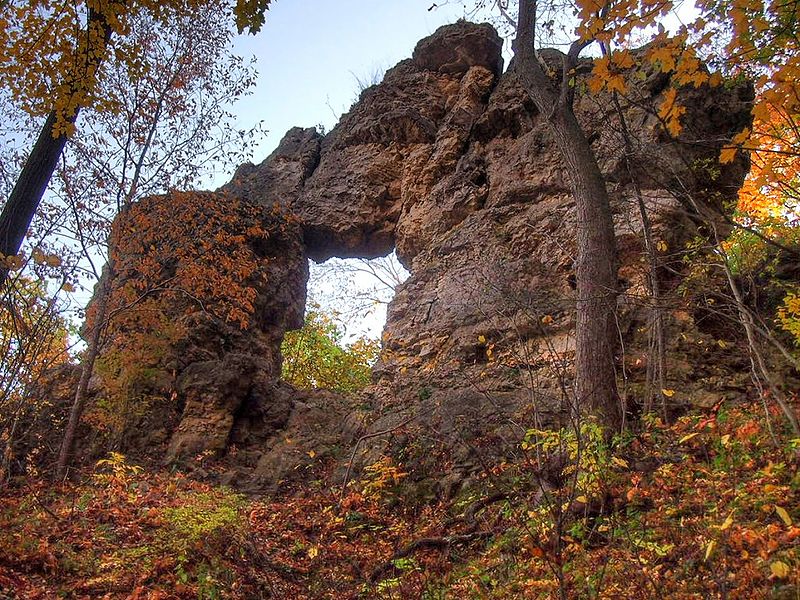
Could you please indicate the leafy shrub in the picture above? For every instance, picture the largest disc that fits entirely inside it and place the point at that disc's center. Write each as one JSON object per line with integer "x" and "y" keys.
{"x": 204, "y": 517}
{"x": 789, "y": 316}
{"x": 316, "y": 356}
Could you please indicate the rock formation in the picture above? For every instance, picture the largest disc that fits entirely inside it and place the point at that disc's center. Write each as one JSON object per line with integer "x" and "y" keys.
{"x": 448, "y": 162}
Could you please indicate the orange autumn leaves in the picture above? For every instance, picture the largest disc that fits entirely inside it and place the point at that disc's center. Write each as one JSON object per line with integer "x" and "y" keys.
{"x": 184, "y": 254}
{"x": 666, "y": 55}
{"x": 763, "y": 45}
{"x": 772, "y": 189}
{"x": 198, "y": 248}
{"x": 752, "y": 38}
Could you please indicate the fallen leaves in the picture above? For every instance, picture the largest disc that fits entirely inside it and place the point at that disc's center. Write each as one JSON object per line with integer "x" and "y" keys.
{"x": 698, "y": 514}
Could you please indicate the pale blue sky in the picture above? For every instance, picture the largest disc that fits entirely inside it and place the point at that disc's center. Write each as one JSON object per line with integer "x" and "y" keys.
{"x": 309, "y": 55}
{"x": 309, "y": 50}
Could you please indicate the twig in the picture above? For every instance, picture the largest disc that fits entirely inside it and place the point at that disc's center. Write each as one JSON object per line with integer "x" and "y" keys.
{"x": 41, "y": 504}
{"x": 368, "y": 436}
{"x": 437, "y": 543}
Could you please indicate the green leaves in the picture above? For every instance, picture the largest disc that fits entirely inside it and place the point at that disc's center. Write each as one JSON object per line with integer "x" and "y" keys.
{"x": 250, "y": 15}
{"x": 317, "y": 357}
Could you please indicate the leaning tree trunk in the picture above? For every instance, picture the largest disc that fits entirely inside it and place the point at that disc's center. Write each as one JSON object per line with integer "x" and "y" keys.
{"x": 29, "y": 189}
{"x": 87, "y": 368}
{"x": 596, "y": 272}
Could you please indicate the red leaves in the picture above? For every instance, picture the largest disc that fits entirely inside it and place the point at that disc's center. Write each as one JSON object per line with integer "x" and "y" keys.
{"x": 655, "y": 532}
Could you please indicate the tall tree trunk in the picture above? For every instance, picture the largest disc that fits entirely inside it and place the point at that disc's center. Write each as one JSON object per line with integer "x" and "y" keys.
{"x": 21, "y": 206}
{"x": 29, "y": 189}
{"x": 87, "y": 367}
{"x": 596, "y": 272}
{"x": 596, "y": 338}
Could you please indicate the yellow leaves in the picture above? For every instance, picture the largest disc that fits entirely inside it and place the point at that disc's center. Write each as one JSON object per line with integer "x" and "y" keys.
{"x": 729, "y": 152}
{"x": 762, "y": 111}
{"x": 591, "y": 28}
{"x": 662, "y": 246}
{"x": 709, "y": 550}
{"x": 727, "y": 523}
{"x": 674, "y": 55}
{"x": 688, "y": 437}
{"x": 774, "y": 146}
{"x": 671, "y": 111}
{"x": 607, "y": 73}
{"x": 623, "y": 59}
{"x": 616, "y": 83}
{"x": 481, "y": 339}
{"x": 789, "y": 315}
{"x": 380, "y": 476}
{"x": 780, "y": 569}
{"x": 664, "y": 57}
{"x": 784, "y": 515}
{"x": 547, "y": 320}
{"x": 668, "y": 393}
{"x": 690, "y": 71}
{"x": 595, "y": 83}
{"x": 756, "y": 45}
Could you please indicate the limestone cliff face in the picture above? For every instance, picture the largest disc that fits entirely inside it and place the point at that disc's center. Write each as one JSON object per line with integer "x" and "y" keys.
{"x": 389, "y": 150}
{"x": 448, "y": 162}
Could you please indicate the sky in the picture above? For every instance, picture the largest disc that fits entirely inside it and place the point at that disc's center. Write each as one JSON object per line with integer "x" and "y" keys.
{"x": 310, "y": 52}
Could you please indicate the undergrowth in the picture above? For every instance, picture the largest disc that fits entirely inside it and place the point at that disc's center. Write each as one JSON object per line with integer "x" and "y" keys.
{"x": 704, "y": 508}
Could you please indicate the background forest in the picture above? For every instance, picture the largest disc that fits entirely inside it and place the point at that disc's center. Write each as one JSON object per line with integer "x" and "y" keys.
{"x": 115, "y": 114}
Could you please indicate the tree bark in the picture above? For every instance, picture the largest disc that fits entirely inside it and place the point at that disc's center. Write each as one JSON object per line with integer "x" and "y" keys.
{"x": 87, "y": 367}
{"x": 29, "y": 189}
{"x": 596, "y": 269}
{"x": 21, "y": 206}
{"x": 596, "y": 338}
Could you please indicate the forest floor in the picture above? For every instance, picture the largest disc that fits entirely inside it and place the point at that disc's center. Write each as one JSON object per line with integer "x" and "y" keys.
{"x": 706, "y": 507}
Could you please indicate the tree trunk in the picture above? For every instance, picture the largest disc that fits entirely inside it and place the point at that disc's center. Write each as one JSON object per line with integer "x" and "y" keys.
{"x": 596, "y": 337}
{"x": 21, "y": 206}
{"x": 87, "y": 367}
{"x": 596, "y": 273}
{"x": 29, "y": 189}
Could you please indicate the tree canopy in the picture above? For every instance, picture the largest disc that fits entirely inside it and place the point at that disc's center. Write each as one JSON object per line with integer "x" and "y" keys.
{"x": 317, "y": 356}
{"x": 52, "y": 54}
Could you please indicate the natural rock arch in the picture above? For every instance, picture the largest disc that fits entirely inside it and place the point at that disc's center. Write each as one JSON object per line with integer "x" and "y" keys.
{"x": 448, "y": 161}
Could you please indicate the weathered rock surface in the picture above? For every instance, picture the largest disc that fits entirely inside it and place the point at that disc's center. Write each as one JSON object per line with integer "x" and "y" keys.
{"x": 197, "y": 312}
{"x": 448, "y": 161}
